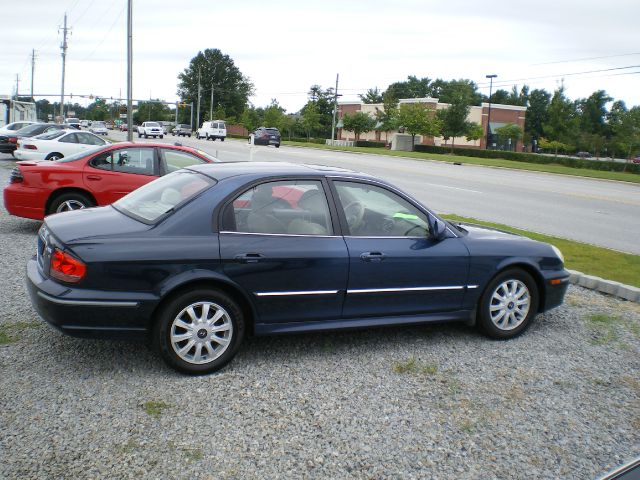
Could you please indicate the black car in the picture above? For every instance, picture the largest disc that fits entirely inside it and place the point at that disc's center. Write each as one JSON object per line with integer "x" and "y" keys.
{"x": 266, "y": 136}
{"x": 182, "y": 130}
{"x": 9, "y": 142}
{"x": 199, "y": 258}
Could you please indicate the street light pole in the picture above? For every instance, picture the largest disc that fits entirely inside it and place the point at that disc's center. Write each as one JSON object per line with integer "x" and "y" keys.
{"x": 490, "y": 77}
{"x": 129, "y": 71}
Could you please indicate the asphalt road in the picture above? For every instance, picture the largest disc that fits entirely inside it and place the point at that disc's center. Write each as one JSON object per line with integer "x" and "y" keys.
{"x": 599, "y": 212}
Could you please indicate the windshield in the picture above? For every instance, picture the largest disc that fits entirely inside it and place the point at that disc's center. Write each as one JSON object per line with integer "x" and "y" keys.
{"x": 154, "y": 200}
{"x": 50, "y": 135}
{"x": 152, "y": 124}
{"x": 98, "y": 124}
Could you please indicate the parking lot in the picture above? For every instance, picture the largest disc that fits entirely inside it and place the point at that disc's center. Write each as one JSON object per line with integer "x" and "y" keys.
{"x": 439, "y": 401}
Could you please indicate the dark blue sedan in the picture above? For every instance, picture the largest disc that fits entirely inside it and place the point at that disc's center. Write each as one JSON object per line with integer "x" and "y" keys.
{"x": 202, "y": 257}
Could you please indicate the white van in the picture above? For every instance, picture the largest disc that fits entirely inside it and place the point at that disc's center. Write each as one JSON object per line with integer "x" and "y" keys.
{"x": 212, "y": 130}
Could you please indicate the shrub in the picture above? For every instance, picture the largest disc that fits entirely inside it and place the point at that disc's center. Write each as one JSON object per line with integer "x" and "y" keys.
{"x": 535, "y": 158}
{"x": 370, "y": 143}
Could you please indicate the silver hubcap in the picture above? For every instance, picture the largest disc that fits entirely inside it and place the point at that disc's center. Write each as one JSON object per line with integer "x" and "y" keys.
{"x": 510, "y": 304}
{"x": 70, "y": 205}
{"x": 201, "y": 332}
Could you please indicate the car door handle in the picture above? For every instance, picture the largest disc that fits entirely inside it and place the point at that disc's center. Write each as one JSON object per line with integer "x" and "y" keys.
{"x": 94, "y": 177}
{"x": 248, "y": 257}
{"x": 372, "y": 256}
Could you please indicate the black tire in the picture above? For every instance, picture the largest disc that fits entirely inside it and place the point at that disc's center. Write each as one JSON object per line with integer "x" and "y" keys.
{"x": 70, "y": 201}
{"x": 161, "y": 136}
{"x": 139, "y": 134}
{"x": 515, "y": 320}
{"x": 222, "y": 139}
{"x": 277, "y": 145}
{"x": 54, "y": 156}
{"x": 175, "y": 309}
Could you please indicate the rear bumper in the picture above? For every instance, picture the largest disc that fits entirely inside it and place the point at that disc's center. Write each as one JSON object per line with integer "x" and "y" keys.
{"x": 89, "y": 313}
{"x": 24, "y": 202}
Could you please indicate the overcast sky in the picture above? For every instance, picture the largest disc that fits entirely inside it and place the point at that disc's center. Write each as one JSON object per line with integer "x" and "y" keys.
{"x": 284, "y": 47}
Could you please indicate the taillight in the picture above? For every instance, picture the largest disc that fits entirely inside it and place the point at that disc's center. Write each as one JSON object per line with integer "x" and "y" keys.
{"x": 16, "y": 176}
{"x": 66, "y": 268}
{"x": 13, "y": 139}
{"x": 29, "y": 147}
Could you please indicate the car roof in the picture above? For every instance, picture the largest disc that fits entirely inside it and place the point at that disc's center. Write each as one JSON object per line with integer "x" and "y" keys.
{"x": 223, "y": 170}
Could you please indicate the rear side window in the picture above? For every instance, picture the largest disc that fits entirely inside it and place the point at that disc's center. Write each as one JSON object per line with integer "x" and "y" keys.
{"x": 288, "y": 208}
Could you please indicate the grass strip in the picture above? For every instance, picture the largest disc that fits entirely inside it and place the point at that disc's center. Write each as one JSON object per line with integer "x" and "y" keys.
{"x": 590, "y": 259}
{"x": 487, "y": 162}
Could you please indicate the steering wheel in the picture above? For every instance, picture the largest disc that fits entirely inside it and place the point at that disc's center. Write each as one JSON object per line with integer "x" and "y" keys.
{"x": 354, "y": 213}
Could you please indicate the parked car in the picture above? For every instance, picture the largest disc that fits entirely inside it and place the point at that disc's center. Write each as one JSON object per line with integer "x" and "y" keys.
{"x": 265, "y": 136}
{"x": 123, "y": 127}
{"x": 56, "y": 144}
{"x": 109, "y": 124}
{"x": 85, "y": 123}
{"x": 9, "y": 141}
{"x": 198, "y": 259}
{"x": 182, "y": 130}
{"x": 99, "y": 128}
{"x": 150, "y": 129}
{"x": 636, "y": 159}
{"x": 14, "y": 127}
{"x": 583, "y": 155}
{"x": 213, "y": 130}
{"x": 97, "y": 176}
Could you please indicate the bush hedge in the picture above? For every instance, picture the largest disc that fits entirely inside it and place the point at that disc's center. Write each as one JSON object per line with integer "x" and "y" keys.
{"x": 534, "y": 158}
{"x": 319, "y": 141}
{"x": 370, "y": 143}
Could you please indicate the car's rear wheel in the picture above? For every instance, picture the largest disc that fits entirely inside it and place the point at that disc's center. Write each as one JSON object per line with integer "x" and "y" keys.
{"x": 161, "y": 136}
{"x": 69, "y": 201}
{"x": 222, "y": 139}
{"x": 54, "y": 156}
{"x": 509, "y": 304}
{"x": 199, "y": 331}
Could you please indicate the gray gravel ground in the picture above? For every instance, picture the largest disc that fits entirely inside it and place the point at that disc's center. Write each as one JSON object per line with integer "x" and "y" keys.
{"x": 561, "y": 401}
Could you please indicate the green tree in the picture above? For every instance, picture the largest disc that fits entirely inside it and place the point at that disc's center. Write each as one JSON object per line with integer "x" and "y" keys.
{"x": 537, "y": 113}
{"x": 388, "y": 117}
{"x": 562, "y": 119}
{"x": 250, "y": 119}
{"x": 453, "y": 120}
{"x": 474, "y": 132}
{"x": 626, "y": 132}
{"x": 413, "y": 87}
{"x": 358, "y": 123}
{"x": 373, "y": 95}
{"x": 417, "y": 119}
{"x": 274, "y": 115}
{"x": 231, "y": 89}
{"x": 509, "y": 133}
{"x": 151, "y": 111}
{"x": 450, "y": 91}
{"x": 554, "y": 145}
{"x": 311, "y": 119}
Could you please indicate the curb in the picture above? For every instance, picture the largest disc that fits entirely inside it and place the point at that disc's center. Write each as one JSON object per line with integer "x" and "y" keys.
{"x": 610, "y": 287}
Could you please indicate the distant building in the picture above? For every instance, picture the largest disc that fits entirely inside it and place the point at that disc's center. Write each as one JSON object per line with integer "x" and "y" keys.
{"x": 15, "y": 111}
{"x": 500, "y": 116}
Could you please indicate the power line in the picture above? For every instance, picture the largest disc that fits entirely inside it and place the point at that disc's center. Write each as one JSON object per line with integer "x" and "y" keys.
{"x": 105, "y": 35}
{"x": 560, "y": 75}
{"x": 583, "y": 59}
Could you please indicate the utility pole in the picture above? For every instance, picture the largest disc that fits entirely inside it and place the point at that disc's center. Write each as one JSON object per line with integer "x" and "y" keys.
{"x": 177, "y": 113}
{"x": 192, "y": 117}
{"x": 198, "y": 108}
{"x": 17, "y": 85}
{"x": 490, "y": 77}
{"x": 13, "y": 108}
{"x": 211, "y": 105}
{"x": 129, "y": 72}
{"x": 33, "y": 67}
{"x": 335, "y": 110}
{"x": 64, "y": 58}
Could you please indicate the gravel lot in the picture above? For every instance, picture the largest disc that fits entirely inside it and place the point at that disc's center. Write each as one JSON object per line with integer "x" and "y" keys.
{"x": 562, "y": 401}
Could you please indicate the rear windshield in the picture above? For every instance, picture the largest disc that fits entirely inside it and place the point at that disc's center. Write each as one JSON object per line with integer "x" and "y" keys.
{"x": 152, "y": 124}
{"x": 31, "y": 129}
{"x": 50, "y": 135}
{"x": 273, "y": 131}
{"x": 153, "y": 201}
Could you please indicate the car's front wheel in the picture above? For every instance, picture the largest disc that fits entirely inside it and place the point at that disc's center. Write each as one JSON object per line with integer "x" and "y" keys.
{"x": 69, "y": 201}
{"x": 199, "y": 331}
{"x": 509, "y": 304}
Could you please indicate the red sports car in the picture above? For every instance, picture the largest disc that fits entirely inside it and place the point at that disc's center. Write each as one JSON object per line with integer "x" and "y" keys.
{"x": 96, "y": 177}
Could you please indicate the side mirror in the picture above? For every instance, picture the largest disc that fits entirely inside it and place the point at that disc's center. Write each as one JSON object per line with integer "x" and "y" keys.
{"x": 438, "y": 229}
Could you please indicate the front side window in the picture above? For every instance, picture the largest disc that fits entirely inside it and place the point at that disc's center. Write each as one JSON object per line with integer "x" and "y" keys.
{"x": 128, "y": 160}
{"x": 296, "y": 207}
{"x": 373, "y": 211}
{"x": 89, "y": 139}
